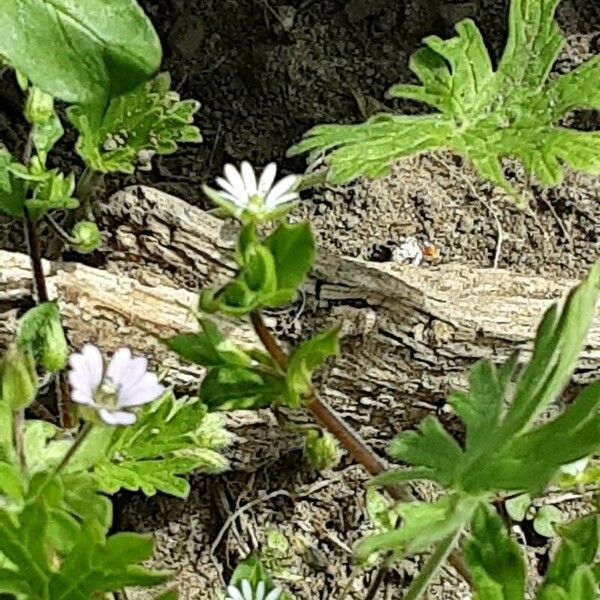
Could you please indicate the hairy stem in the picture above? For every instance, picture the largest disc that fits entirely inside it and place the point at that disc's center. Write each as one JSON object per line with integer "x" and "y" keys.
{"x": 19, "y": 438}
{"x": 347, "y": 437}
{"x": 32, "y": 240}
{"x": 434, "y": 562}
{"x": 81, "y": 437}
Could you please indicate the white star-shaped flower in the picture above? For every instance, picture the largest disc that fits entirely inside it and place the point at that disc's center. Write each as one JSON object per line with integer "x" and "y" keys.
{"x": 125, "y": 384}
{"x": 242, "y": 193}
{"x": 244, "y": 592}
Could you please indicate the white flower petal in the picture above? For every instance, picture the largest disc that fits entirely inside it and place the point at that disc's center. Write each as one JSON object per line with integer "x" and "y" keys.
{"x": 267, "y": 178}
{"x": 229, "y": 189}
{"x": 95, "y": 364}
{"x": 236, "y": 181}
{"x": 246, "y": 589}
{"x": 80, "y": 381}
{"x": 234, "y": 593}
{"x": 118, "y": 364}
{"x": 280, "y": 188}
{"x": 82, "y": 397}
{"x": 239, "y": 202}
{"x": 259, "y": 594}
{"x": 147, "y": 390}
{"x": 88, "y": 367}
{"x": 133, "y": 374}
{"x": 274, "y": 594}
{"x": 249, "y": 178}
{"x": 289, "y": 197}
{"x": 117, "y": 417}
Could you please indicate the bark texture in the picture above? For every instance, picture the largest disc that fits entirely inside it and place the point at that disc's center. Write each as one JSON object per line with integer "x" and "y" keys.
{"x": 408, "y": 334}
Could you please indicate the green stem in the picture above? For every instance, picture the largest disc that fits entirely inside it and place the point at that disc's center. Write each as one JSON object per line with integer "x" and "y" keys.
{"x": 430, "y": 568}
{"x": 81, "y": 437}
{"x": 62, "y": 234}
{"x": 86, "y": 186}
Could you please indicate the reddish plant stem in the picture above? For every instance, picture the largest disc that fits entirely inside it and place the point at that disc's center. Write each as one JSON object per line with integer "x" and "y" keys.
{"x": 40, "y": 287}
{"x": 323, "y": 413}
{"x": 349, "y": 439}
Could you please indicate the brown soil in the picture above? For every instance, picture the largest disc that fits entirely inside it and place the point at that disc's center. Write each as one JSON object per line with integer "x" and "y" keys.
{"x": 265, "y": 71}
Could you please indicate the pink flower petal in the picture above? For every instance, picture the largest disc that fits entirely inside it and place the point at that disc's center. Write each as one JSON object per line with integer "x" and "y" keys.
{"x": 117, "y": 417}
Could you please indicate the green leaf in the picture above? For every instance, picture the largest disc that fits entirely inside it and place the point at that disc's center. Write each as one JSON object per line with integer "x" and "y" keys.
{"x": 22, "y": 543}
{"x": 493, "y": 558}
{"x": 484, "y": 115}
{"x": 517, "y": 506}
{"x": 258, "y": 271}
{"x": 433, "y": 449}
{"x": 80, "y": 52}
{"x": 305, "y": 359}
{"x": 54, "y": 193}
{"x": 546, "y": 519}
{"x": 97, "y": 565}
{"x": 146, "y": 121}
{"x": 504, "y": 450}
{"x": 41, "y": 450}
{"x": 170, "y": 438}
{"x": 12, "y": 189}
{"x": 40, "y": 330}
{"x": 236, "y": 388}
{"x": 210, "y": 348}
{"x": 46, "y": 126}
{"x": 569, "y": 572}
{"x": 380, "y": 510}
{"x": 250, "y": 569}
{"x": 269, "y": 274}
{"x": 11, "y": 486}
{"x": 293, "y": 249}
{"x": 422, "y": 525}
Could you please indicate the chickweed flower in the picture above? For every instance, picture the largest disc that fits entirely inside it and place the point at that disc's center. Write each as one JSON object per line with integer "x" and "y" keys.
{"x": 240, "y": 192}
{"x": 113, "y": 392}
{"x": 244, "y": 592}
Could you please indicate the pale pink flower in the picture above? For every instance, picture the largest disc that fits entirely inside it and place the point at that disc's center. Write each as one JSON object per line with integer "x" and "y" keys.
{"x": 125, "y": 384}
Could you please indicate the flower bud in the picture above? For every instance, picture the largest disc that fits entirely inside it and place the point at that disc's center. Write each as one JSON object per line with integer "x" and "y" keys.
{"x": 18, "y": 378}
{"x": 87, "y": 237}
{"x": 321, "y": 450}
{"x": 55, "y": 351}
{"x": 39, "y": 107}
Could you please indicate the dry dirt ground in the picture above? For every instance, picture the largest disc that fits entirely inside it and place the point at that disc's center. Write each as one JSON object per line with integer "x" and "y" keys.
{"x": 265, "y": 71}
